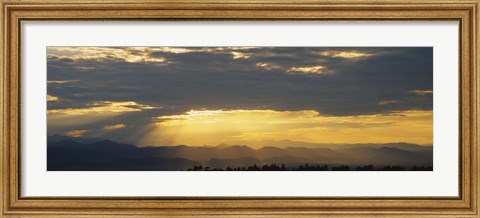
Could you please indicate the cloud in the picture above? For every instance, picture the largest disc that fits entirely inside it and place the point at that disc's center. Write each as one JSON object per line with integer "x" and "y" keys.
{"x": 209, "y": 77}
{"x": 60, "y": 81}
{"x": 114, "y": 127}
{"x": 308, "y": 70}
{"x": 269, "y": 66}
{"x": 239, "y": 55}
{"x": 97, "y": 115}
{"x": 235, "y": 52}
{"x": 173, "y": 50}
{"x": 51, "y": 98}
{"x": 76, "y": 133}
{"x": 104, "y": 107}
{"x": 182, "y": 50}
{"x": 128, "y": 54}
{"x": 304, "y": 70}
{"x": 422, "y": 92}
{"x": 385, "y": 102}
{"x": 346, "y": 54}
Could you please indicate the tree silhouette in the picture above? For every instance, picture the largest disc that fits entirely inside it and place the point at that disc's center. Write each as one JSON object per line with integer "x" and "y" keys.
{"x": 421, "y": 168}
{"x": 393, "y": 168}
{"x": 341, "y": 168}
{"x": 365, "y": 168}
{"x": 310, "y": 167}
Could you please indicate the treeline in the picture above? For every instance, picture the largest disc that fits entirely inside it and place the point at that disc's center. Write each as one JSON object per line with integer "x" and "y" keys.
{"x": 309, "y": 167}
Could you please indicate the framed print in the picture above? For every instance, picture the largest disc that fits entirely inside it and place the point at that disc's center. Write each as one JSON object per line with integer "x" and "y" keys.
{"x": 245, "y": 109}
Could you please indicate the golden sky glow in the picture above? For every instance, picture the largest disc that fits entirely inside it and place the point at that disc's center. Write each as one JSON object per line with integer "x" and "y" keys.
{"x": 212, "y": 127}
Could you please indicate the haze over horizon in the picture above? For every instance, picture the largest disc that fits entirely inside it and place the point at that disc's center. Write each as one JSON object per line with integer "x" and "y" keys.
{"x": 254, "y": 96}
{"x": 252, "y": 144}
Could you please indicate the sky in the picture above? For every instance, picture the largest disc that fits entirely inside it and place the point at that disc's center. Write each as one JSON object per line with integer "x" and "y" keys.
{"x": 167, "y": 96}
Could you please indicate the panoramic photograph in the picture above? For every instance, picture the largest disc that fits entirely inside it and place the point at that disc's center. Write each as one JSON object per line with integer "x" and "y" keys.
{"x": 239, "y": 108}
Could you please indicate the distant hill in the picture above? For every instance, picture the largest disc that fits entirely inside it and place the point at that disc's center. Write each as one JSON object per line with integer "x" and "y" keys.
{"x": 105, "y": 155}
{"x": 56, "y": 138}
{"x": 289, "y": 143}
{"x": 77, "y": 154}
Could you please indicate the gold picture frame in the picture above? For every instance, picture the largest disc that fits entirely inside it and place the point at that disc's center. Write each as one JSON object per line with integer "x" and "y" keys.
{"x": 14, "y": 12}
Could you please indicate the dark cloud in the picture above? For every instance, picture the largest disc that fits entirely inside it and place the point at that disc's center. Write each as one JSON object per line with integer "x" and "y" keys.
{"x": 214, "y": 80}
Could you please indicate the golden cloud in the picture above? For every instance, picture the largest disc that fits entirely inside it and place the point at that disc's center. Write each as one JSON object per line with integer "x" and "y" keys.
{"x": 104, "y": 107}
{"x": 234, "y": 51}
{"x": 51, "y": 98}
{"x": 60, "y": 81}
{"x": 240, "y": 55}
{"x": 172, "y": 50}
{"x": 268, "y": 66}
{"x": 182, "y": 50}
{"x": 422, "y": 92}
{"x": 114, "y": 127}
{"x": 307, "y": 70}
{"x": 346, "y": 54}
{"x": 75, "y": 133}
{"x": 138, "y": 54}
{"x": 130, "y": 54}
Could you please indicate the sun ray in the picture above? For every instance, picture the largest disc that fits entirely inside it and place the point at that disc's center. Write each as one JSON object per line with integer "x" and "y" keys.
{"x": 213, "y": 127}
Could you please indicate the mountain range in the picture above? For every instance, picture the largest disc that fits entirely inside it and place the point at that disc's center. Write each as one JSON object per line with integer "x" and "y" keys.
{"x": 89, "y": 154}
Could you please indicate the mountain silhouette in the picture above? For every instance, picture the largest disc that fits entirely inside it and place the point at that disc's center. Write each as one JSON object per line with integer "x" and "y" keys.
{"x": 289, "y": 143}
{"x": 80, "y": 154}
